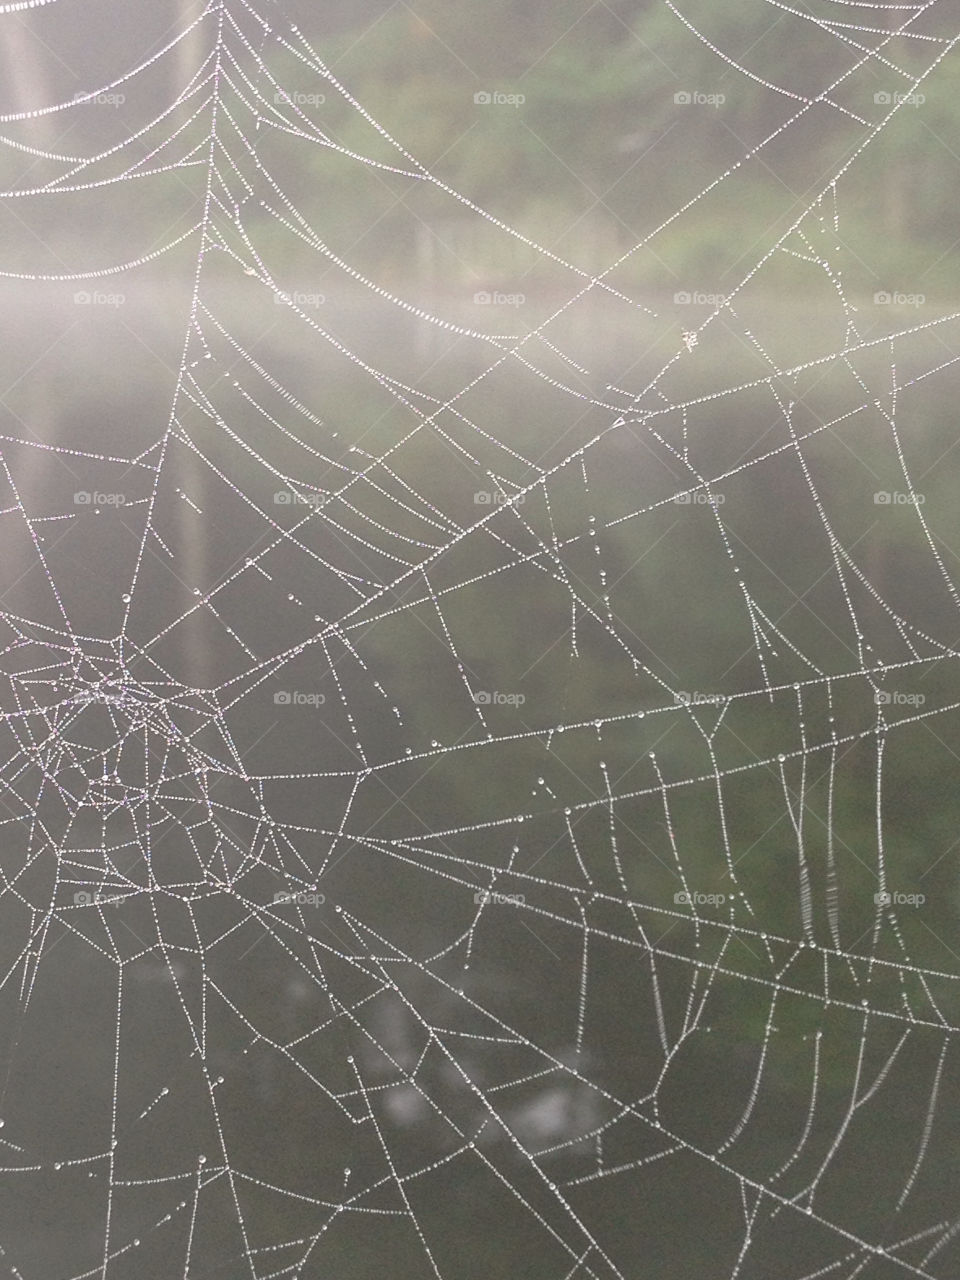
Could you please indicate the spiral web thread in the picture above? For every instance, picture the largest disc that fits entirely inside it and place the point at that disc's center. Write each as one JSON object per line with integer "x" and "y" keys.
{"x": 398, "y": 1042}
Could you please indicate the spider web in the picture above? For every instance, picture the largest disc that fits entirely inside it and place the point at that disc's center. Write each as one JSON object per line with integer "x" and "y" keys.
{"x": 471, "y": 799}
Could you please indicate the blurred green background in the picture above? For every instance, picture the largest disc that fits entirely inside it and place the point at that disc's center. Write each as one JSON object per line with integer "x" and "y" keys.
{"x": 671, "y": 157}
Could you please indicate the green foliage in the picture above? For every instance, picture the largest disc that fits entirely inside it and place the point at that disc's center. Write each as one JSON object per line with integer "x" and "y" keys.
{"x": 595, "y": 144}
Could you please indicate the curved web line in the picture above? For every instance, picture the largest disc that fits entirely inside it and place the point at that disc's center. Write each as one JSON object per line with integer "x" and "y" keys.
{"x": 413, "y": 1029}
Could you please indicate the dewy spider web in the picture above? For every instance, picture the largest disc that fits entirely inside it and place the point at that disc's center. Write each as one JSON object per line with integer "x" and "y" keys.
{"x": 395, "y": 876}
